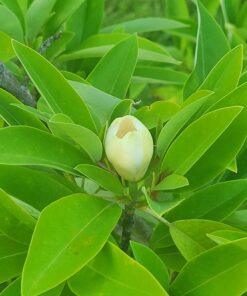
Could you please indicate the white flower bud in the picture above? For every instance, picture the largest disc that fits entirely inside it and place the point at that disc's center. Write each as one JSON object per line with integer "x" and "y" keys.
{"x": 129, "y": 147}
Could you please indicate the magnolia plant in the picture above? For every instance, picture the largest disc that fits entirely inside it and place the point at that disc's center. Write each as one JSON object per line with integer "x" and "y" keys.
{"x": 122, "y": 170}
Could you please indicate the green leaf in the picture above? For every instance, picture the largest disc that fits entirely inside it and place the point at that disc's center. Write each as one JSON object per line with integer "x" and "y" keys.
{"x": 158, "y": 112}
{"x": 172, "y": 182}
{"x": 151, "y": 261}
{"x": 10, "y": 24}
{"x": 29, "y": 146}
{"x": 52, "y": 85}
{"x": 211, "y": 46}
{"x": 214, "y": 202}
{"x": 38, "y": 14}
{"x": 176, "y": 124}
{"x": 197, "y": 138}
{"x": 100, "y": 104}
{"x": 152, "y": 74}
{"x": 16, "y": 116}
{"x": 219, "y": 271}
{"x": 86, "y": 21}
{"x": 238, "y": 219}
{"x": 44, "y": 116}
{"x": 85, "y": 138}
{"x": 104, "y": 178}
{"x": 14, "y": 288}
{"x": 144, "y": 25}
{"x": 51, "y": 186}
{"x": 113, "y": 272}
{"x": 16, "y": 8}
{"x": 69, "y": 232}
{"x": 12, "y": 257}
{"x": 190, "y": 236}
{"x": 224, "y": 77}
{"x": 114, "y": 71}
{"x": 63, "y": 10}
{"x": 16, "y": 223}
{"x": 123, "y": 108}
{"x": 225, "y": 236}
{"x": 177, "y": 9}
{"x": 100, "y": 44}
{"x": 6, "y": 49}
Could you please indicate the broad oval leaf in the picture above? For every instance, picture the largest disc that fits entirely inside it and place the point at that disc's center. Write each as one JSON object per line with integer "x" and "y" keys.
{"x": 143, "y": 25}
{"x": 152, "y": 262}
{"x": 85, "y": 138}
{"x": 158, "y": 112}
{"x": 104, "y": 178}
{"x": 190, "y": 236}
{"x": 12, "y": 257}
{"x": 197, "y": 138}
{"x": 52, "y": 85}
{"x": 175, "y": 125}
{"x": 113, "y": 272}
{"x": 114, "y": 71}
{"x": 214, "y": 202}
{"x": 51, "y": 186}
{"x": 21, "y": 145}
{"x": 219, "y": 271}
{"x": 16, "y": 223}
{"x": 16, "y": 116}
{"x": 69, "y": 232}
{"x": 212, "y": 44}
{"x": 172, "y": 182}
{"x": 10, "y": 24}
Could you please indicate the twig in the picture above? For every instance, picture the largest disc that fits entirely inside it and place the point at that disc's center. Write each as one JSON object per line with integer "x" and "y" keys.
{"x": 48, "y": 42}
{"x": 127, "y": 225}
{"x": 11, "y": 84}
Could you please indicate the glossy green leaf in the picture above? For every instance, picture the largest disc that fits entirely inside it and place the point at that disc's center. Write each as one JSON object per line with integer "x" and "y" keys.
{"x": 114, "y": 272}
{"x": 6, "y": 50}
{"x": 176, "y": 124}
{"x": 224, "y": 77}
{"x": 14, "y": 289}
{"x": 52, "y": 85}
{"x": 238, "y": 219}
{"x": 16, "y": 8}
{"x": 197, "y": 138}
{"x": 16, "y": 116}
{"x": 38, "y": 14}
{"x": 44, "y": 116}
{"x": 158, "y": 112}
{"x": 217, "y": 158}
{"x": 103, "y": 177}
{"x": 101, "y": 104}
{"x": 21, "y": 145}
{"x": 190, "y": 236}
{"x": 214, "y": 202}
{"x": 22, "y": 183}
{"x": 69, "y": 232}
{"x": 10, "y": 24}
{"x": 12, "y": 257}
{"x": 100, "y": 44}
{"x": 211, "y": 46}
{"x": 144, "y": 25}
{"x": 152, "y": 74}
{"x": 219, "y": 271}
{"x": 151, "y": 261}
{"x": 225, "y": 236}
{"x": 172, "y": 182}
{"x": 121, "y": 109}
{"x": 16, "y": 223}
{"x": 63, "y": 10}
{"x": 85, "y": 138}
{"x": 114, "y": 71}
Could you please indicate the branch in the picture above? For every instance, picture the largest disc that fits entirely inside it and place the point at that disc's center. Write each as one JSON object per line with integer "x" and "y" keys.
{"x": 127, "y": 225}
{"x": 11, "y": 84}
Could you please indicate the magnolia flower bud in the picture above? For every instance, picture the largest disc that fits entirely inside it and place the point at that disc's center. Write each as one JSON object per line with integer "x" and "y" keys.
{"x": 129, "y": 147}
